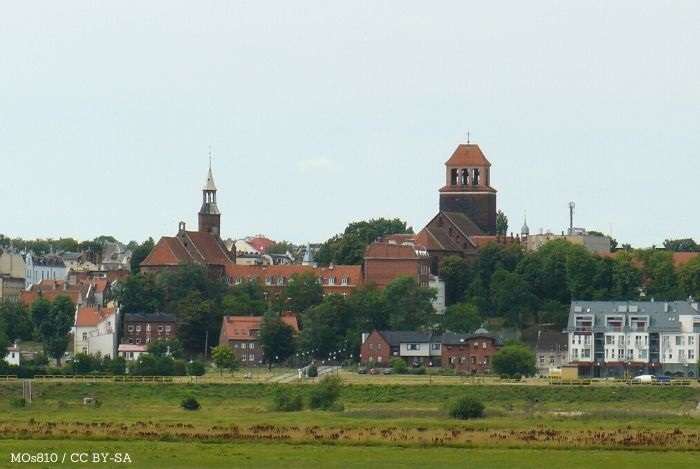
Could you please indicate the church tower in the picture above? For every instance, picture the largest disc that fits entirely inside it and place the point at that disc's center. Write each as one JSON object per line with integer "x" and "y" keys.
{"x": 209, "y": 215}
{"x": 468, "y": 188}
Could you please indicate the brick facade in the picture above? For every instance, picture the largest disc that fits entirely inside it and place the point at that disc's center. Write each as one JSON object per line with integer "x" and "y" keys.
{"x": 471, "y": 354}
{"x": 375, "y": 349}
{"x": 385, "y": 261}
{"x": 141, "y": 329}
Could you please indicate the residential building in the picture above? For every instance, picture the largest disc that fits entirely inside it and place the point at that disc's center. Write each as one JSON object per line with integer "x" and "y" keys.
{"x": 141, "y": 329}
{"x": 618, "y": 338}
{"x": 551, "y": 351}
{"x": 12, "y": 263}
{"x": 340, "y": 279}
{"x": 592, "y": 242}
{"x": 115, "y": 256}
{"x": 416, "y": 348}
{"x": 241, "y": 333}
{"x": 466, "y": 220}
{"x": 48, "y": 267}
{"x": 95, "y": 331}
{"x": 203, "y": 247}
{"x": 131, "y": 351}
{"x": 386, "y": 260}
{"x": 12, "y": 355}
{"x": 11, "y": 288}
{"x": 469, "y": 353}
{"x": 51, "y": 289}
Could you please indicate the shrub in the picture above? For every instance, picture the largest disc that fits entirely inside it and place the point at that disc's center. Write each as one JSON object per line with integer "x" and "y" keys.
{"x": 190, "y": 403}
{"x": 514, "y": 360}
{"x": 324, "y": 395}
{"x": 18, "y": 402}
{"x": 466, "y": 408}
{"x": 196, "y": 368}
{"x": 398, "y": 365}
{"x": 284, "y": 401}
{"x": 312, "y": 371}
{"x": 418, "y": 371}
{"x": 180, "y": 367}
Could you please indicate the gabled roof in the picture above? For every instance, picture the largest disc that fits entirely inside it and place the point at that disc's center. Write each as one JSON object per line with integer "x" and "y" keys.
{"x": 437, "y": 237}
{"x": 452, "y": 338}
{"x": 243, "y": 327}
{"x": 467, "y": 154}
{"x": 209, "y": 184}
{"x": 89, "y": 316}
{"x": 152, "y": 317}
{"x": 168, "y": 251}
{"x": 552, "y": 340}
{"x": 188, "y": 247}
{"x": 391, "y": 250}
{"x": 396, "y": 338}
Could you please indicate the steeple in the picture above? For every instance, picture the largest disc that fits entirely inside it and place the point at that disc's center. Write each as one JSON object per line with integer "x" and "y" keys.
{"x": 525, "y": 230}
{"x": 209, "y": 215}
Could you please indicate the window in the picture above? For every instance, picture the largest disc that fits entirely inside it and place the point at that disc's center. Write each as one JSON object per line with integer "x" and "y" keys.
{"x": 379, "y": 359}
{"x": 251, "y": 346}
{"x": 371, "y": 346}
{"x": 148, "y": 327}
{"x": 609, "y": 340}
{"x": 130, "y": 328}
{"x": 167, "y": 328}
{"x": 138, "y": 328}
{"x": 160, "y": 328}
{"x": 586, "y": 353}
{"x": 473, "y": 360}
{"x": 344, "y": 281}
{"x": 84, "y": 349}
{"x": 235, "y": 345}
{"x": 84, "y": 335}
{"x": 691, "y": 354}
{"x": 413, "y": 347}
{"x": 541, "y": 359}
{"x": 574, "y": 353}
{"x": 244, "y": 357}
{"x": 131, "y": 341}
{"x": 331, "y": 280}
{"x": 436, "y": 346}
{"x": 691, "y": 340}
{"x": 244, "y": 345}
{"x": 484, "y": 345}
{"x": 138, "y": 341}
{"x": 679, "y": 340}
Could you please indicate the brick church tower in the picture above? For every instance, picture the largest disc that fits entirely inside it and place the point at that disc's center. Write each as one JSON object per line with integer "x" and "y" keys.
{"x": 468, "y": 188}
{"x": 209, "y": 215}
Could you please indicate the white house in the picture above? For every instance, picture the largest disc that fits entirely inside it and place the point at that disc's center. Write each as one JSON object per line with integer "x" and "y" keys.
{"x": 48, "y": 267}
{"x": 12, "y": 356}
{"x": 95, "y": 331}
{"x": 131, "y": 351}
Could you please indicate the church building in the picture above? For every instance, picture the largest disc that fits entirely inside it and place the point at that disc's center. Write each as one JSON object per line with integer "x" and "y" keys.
{"x": 466, "y": 220}
{"x": 203, "y": 247}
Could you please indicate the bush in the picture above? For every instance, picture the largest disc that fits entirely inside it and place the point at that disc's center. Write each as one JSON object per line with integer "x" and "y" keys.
{"x": 283, "y": 400}
{"x": 398, "y": 365}
{"x": 196, "y": 368}
{"x": 418, "y": 371}
{"x": 466, "y": 408}
{"x": 180, "y": 367}
{"x": 514, "y": 360}
{"x": 324, "y": 395}
{"x": 190, "y": 403}
{"x": 312, "y": 371}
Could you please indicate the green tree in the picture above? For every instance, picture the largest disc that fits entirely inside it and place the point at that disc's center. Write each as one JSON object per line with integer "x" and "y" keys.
{"x": 245, "y": 299}
{"x": 198, "y": 322}
{"x": 461, "y": 317}
{"x": 659, "y": 274}
{"x": 410, "y": 305}
{"x": 302, "y": 292}
{"x": 53, "y": 321}
{"x": 281, "y": 247}
{"x": 511, "y": 297}
{"x": 349, "y": 248}
{"x": 276, "y": 339}
{"x": 626, "y": 278}
{"x": 457, "y": 275}
{"x": 689, "y": 277}
{"x": 501, "y": 223}
{"x": 326, "y": 328}
{"x": 17, "y": 320}
{"x": 681, "y": 245}
{"x": 224, "y": 359}
{"x": 165, "y": 348}
{"x": 139, "y": 293}
{"x": 139, "y": 254}
{"x": 514, "y": 360}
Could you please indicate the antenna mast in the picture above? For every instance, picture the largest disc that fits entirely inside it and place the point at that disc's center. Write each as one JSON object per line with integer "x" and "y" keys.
{"x": 572, "y": 205}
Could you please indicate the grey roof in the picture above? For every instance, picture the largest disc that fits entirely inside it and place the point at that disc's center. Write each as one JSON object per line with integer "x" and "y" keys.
{"x": 152, "y": 317}
{"x": 552, "y": 340}
{"x": 663, "y": 315}
{"x": 395, "y": 338}
{"x": 209, "y": 185}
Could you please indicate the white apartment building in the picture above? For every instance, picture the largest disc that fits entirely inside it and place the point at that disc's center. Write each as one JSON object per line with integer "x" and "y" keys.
{"x": 614, "y": 338}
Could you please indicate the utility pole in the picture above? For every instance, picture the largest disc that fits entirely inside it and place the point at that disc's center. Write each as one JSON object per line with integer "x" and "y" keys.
{"x": 206, "y": 344}
{"x": 572, "y": 205}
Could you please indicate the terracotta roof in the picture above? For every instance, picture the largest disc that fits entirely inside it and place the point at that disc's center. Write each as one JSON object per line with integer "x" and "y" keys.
{"x": 467, "y": 154}
{"x": 246, "y": 327}
{"x": 131, "y": 348}
{"x": 286, "y": 271}
{"x": 89, "y": 316}
{"x": 386, "y": 250}
{"x": 463, "y": 223}
{"x": 50, "y": 290}
{"x": 187, "y": 247}
{"x": 260, "y": 243}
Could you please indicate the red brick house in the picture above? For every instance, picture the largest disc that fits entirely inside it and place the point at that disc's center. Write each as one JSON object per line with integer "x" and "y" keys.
{"x": 469, "y": 353}
{"x": 340, "y": 279}
{"x": 385, "y": 260}
{"x": 241, "y": 334}
{"x": 415, "y": 347}
{"x": 142, "y": 329}
{"x": 375, "y": 348}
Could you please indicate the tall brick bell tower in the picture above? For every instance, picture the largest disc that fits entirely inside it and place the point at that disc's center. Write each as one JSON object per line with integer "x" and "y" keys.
{"x": 209, "y": 215}
{"x": 468, "y": 187}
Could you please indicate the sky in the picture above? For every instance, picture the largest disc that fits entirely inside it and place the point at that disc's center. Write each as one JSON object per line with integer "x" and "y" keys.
{"x": 321, "y": 113}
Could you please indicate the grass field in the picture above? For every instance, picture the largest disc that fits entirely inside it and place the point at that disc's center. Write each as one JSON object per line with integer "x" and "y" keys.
{"x": 381, "y": 426}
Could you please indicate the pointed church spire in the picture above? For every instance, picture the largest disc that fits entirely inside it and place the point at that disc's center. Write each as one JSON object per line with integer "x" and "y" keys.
{"x": 209, "y": 185}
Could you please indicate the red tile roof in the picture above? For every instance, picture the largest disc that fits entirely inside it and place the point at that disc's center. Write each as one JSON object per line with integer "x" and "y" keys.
{"x": 468, "y": 154}
{"x": 260, "y": 243}
{"x": 246, "y": 327}
{"x": 50, "y": 290}
{"x": 187, "y": 247}
{"x": 168, "y": 251}
{"x": 89, "y": 316}
{"x": 384, "y": 250}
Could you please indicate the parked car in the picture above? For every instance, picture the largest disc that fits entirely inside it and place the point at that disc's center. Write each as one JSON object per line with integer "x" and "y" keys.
{"x": 646, "y": 379}
{"x": 387, "y": 371}
{"x": 663, "y": 379}
{"x": 362, "y": 370}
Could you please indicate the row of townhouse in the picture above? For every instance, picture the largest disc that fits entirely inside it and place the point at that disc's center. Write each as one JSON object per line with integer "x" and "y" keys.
{"x": 617, "y": 338}
{"x": 465, "y": 353}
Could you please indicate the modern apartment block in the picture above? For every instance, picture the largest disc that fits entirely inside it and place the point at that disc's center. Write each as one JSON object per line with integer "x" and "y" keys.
{"x": 614, "y": 338}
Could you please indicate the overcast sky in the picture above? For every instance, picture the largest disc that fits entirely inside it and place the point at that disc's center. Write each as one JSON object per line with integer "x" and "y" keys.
{"x": 321, "y": 113}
